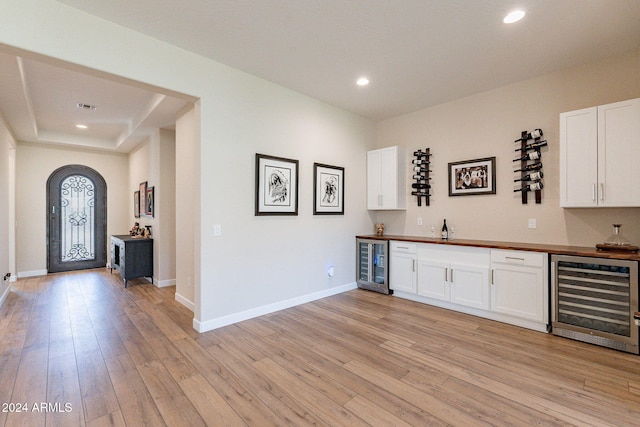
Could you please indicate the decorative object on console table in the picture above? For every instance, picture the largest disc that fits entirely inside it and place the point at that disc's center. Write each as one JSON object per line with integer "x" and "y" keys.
{"x": 422, "y": 186}
{"x": 530, "y": 173}
{"x": 132, "y": 257}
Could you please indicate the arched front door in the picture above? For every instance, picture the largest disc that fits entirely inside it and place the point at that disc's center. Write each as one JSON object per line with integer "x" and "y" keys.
{"x": 77, "y": 219}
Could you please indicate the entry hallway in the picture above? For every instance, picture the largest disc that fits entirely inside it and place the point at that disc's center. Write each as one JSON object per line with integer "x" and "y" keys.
{"x": 97, "y": 354}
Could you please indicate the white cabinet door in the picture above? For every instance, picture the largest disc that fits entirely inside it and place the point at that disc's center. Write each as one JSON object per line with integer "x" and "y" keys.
{"x": 433, "y": 279}
{"x": 386, "y": 178}
{"x": 599, "y": 148}
{"x": 470, "y": 285}
{"x": 519, "y": 291}
{"x": 618, "y": 154}
{"x": 579, "y": 158}
{"x": 403, "y": 272}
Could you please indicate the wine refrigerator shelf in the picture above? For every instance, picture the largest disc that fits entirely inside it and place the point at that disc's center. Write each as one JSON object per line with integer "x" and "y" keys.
{"x": 421, "y": 187}
{"x": 530, "y": 170}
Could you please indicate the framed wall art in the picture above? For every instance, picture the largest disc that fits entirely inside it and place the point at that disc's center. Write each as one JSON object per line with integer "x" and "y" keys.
{"x": 136, "y": 204}
{"x": 276, "y": 185}
{"x": 149, "y": 202}
{"x": 328, "y": 190}
{"x": 143, "y": 197}
{"x": 471, "y": 177}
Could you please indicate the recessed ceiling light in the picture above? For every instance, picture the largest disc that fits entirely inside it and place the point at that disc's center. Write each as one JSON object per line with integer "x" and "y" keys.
{"x": 82, "y": 126}
{"x": 514, "y": 16}
{"x": 362, "y": 81}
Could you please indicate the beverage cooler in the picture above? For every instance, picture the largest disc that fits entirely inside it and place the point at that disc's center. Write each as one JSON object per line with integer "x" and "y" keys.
{"x": 373, "y": 265}
{"x": 594, "y": 300}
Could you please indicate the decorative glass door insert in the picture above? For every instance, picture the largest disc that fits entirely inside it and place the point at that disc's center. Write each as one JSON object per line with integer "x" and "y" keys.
{"x": 77, "y": 201}
{"x": 76, "y": 219}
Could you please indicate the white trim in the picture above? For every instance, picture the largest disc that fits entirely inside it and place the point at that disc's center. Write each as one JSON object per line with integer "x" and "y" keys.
{"x": 32, "y": 273}
{"x": 5, "y": 295}
{"x": 182, "y": 300}
{"x": 164, "y": 283}
{"x": 499, "y": 317}
{"x": 219, "y": 322}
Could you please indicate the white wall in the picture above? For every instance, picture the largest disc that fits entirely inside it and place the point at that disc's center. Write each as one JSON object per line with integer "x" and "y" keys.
{"x": 7, "y": 218}
{"x": 165, "y": 208}
{"x": 187, "y": 153}
{"x": 486, "y": 125}
{"x": 153, "y": 162}
{"x": 34, "y": 165}
{"x": 259, "y": 263}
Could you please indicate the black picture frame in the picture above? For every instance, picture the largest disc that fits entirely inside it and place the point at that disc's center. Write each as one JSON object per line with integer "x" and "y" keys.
{"x": 143, "y": 197}
{"x": 276, "y": 185}
{"x": 149, "y": 211}
{"x": 472, "y": 177}
{"x": 136, "y": 204}
{"x": 328, "y": 189}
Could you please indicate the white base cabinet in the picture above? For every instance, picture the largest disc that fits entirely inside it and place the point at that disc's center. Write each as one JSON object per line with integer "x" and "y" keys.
{"x": 519, "y": 284}
{"x": 464, "y": 282}
{"x": 503, "y": 285}
{"x": 403, "y": 267}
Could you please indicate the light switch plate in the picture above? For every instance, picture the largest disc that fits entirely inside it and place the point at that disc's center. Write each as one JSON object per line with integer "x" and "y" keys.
{"x": 217, "y": 230}
{"x": 533, "y": 224}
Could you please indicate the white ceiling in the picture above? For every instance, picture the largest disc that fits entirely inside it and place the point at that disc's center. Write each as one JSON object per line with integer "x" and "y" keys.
{"x": 40, "y": 103}
{"x": 417, "y": 53}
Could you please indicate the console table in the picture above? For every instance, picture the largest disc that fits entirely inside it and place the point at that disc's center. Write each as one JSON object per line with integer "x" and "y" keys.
{"x": 132, "y": 257}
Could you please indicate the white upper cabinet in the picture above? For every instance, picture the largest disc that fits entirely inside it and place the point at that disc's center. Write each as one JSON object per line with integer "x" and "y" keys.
{"x": 599, "y": 152}
{"x": 386, "y": 178}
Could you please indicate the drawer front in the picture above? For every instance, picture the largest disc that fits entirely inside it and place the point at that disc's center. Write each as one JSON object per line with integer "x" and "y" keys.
{"x": 533, "y": 259}
{"x": 403, "y": 247}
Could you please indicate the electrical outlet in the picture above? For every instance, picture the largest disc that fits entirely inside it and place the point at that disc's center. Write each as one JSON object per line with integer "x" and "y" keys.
{"x": 217, "y": 230}
{"x": 419, "y": 221}
{"x": 533, "y": 224}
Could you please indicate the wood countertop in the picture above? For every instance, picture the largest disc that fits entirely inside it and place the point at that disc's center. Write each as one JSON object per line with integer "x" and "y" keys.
{"x": 533, "y": 247}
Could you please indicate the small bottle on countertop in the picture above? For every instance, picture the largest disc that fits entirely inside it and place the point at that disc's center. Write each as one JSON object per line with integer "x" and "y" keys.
{"x": 445, "y": 231}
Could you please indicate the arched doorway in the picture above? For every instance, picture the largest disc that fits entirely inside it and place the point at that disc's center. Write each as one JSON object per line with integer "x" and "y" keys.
{"x": 76, "y": 219}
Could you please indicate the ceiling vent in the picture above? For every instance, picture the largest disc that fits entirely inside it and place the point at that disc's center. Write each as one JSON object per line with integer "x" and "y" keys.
{"x": 86, "y": 106}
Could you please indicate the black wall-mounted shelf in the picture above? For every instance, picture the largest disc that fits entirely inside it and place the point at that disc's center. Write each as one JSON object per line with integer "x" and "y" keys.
{"x": 421, "y": 188}
{"x": 530, "y": 158}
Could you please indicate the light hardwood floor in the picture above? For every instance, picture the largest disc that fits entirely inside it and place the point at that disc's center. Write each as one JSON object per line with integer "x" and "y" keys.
{"x": 102, "y": 355}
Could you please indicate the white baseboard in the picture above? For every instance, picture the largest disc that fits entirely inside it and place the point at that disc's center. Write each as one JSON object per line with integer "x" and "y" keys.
{"x": 32, "y": 273}
{"x": 182, "y": 300}
{"x": 164, "y": 283}
{"x": 209, "y": 325}
{"x": 5, "y": 294}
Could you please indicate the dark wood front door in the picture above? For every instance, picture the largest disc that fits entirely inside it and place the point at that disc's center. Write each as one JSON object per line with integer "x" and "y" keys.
{"x": 76, "y": 219}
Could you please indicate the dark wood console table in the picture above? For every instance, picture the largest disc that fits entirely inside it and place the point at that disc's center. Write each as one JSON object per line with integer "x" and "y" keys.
{"x": 132, "y": 257}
